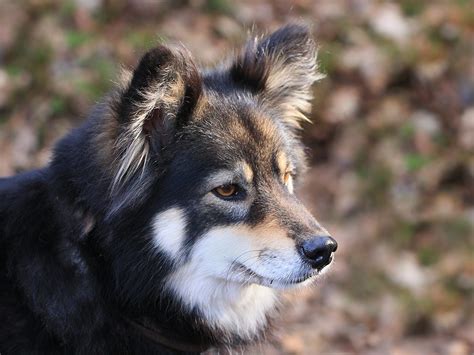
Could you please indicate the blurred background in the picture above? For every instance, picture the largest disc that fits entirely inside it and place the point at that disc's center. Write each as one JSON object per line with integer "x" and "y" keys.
{"x": 391, "y": 145}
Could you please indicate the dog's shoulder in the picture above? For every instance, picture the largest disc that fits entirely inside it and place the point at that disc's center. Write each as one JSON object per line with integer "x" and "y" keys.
{"x": 46, "y": 284}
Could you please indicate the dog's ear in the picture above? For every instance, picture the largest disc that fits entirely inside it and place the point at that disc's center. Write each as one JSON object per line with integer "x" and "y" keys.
{"x": 158, "y": 99}
{"x": 280, "y": 68}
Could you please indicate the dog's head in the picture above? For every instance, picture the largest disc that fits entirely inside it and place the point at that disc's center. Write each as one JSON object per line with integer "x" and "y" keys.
{"x": 210, "y": 160}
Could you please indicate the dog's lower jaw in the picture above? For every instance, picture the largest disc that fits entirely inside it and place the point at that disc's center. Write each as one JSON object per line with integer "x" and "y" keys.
{"x": 244, "y": 310}
{"x": 248, "y": 276}
{"x": 233, "y": 310}
{"x": 238, "y": 310}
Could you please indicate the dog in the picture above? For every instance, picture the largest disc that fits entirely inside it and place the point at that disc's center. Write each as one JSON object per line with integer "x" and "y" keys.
{"x": 167, "y": 222}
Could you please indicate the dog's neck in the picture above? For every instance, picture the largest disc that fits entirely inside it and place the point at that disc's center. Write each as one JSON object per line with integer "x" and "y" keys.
{"x": 164, "y": 339}
{"x": 232, "y": 309}
{"x": 225, "y": 314}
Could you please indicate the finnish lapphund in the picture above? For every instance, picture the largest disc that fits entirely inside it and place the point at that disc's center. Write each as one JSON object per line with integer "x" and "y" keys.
{"x": 167, "y": 222}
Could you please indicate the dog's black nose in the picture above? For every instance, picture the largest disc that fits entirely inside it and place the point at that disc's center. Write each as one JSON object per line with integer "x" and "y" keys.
{"x": 318, "y": 250}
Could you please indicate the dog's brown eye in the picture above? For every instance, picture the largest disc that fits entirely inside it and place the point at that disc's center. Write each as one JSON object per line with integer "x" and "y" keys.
{"x": 228, "y": 190}
{"x": 286, "y": 177}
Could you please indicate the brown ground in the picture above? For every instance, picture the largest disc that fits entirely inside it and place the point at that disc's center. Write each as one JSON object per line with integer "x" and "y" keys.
{"x": 392, "y": 144}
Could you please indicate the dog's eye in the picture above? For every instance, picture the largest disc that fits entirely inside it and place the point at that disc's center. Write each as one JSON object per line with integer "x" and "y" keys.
{"x": 226, "y": 191}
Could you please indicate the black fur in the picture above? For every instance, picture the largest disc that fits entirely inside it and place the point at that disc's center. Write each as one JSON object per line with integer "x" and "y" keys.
{"x": 75, "y": 259}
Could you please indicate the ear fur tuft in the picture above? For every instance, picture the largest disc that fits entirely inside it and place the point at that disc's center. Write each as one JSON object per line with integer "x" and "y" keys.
{"x": 280, "y": 68}
{"x": 161, "y": 96}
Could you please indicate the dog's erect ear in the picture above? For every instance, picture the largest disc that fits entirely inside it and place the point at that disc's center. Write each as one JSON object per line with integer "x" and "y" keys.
{"x": 158, "y": 99}
{"x": 280, "y": 68}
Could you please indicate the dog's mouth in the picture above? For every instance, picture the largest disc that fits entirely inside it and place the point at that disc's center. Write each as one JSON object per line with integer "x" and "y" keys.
{"x": 247, "y": 275}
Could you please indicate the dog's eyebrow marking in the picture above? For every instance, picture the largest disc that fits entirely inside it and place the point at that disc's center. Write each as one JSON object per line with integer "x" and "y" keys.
{"x": 248, "y": 172}
{"x": 224, "y": 176}
{"x": 283, "y": 165}
{"x": 282, "y": 162}
{"x": 220, "y": 177}
{"x": 169, "y": 229}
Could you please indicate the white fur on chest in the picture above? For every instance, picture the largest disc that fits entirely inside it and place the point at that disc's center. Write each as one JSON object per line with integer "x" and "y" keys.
{"x": 228, "y": 306}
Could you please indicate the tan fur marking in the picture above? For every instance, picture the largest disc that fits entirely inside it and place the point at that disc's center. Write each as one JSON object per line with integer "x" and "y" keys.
{"x": 201, "y": 106}
{"x": 238, "y": 130}
{"x": 248, "y": 172}
{"x": 282, "y": 162}
{"x": 267, "y": 234}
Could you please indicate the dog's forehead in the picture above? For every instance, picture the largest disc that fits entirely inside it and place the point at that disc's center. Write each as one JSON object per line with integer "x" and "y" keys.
{"x": 238, "y": 126}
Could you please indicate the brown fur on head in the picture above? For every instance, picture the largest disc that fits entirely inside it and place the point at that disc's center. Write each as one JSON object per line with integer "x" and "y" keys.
{"x": 280, "y": 70}
{"x": 159, "y": 97}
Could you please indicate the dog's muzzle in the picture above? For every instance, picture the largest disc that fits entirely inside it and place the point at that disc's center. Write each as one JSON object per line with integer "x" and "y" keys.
{"x": 318, "y": 251}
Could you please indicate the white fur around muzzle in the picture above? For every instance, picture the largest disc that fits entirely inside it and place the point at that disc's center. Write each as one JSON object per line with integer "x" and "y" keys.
{"x": 206, "y": 280}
